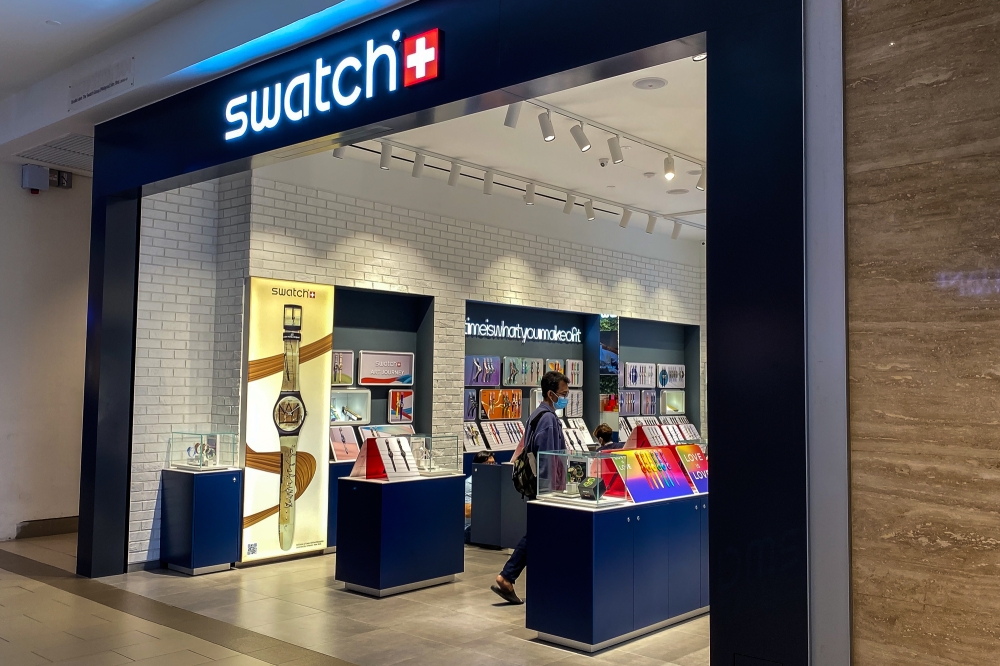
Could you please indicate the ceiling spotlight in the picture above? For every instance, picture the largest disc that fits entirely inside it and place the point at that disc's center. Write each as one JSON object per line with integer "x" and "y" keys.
{"x": 668, "y": 167}
{"x": 386, "y": 158}
{"x": 545, "y": 122}
{"x": 488, "y": 182}
{"x": 456, "y": 171}
{"x": 581, "y": 139}
{"x": 529, "y": 194}
{"x": 418, "y": 165}
{"x": 699, "y": 57}
{"x": 615, "y": 145}
{"x": 701, "y": 181}
{"x": 677, "y": 230}
{"x": 626, "y": 216}
{"x": 570, "y": 200}
{"x": 513, "y": 113}
{"x": 589, "y": 209}
{"x": 339, "y": 152}
{"x": 651, "y": 224}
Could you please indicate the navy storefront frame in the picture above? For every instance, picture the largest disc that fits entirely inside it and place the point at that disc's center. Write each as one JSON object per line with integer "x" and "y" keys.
{"x": 498, "y": 51}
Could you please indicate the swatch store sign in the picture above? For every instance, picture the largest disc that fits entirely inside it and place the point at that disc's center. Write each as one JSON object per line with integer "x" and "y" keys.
{"x": 327, "y": 86}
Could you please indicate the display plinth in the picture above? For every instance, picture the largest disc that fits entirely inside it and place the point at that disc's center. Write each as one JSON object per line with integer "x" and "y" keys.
{"x": 396, "y": 536}
{"x": 201, "y": 520}
{"x": 499, "y": 513}
{"x": 498, "y": 456}
{"x": 641, "y": 567}
{"x": 337, "y": 471}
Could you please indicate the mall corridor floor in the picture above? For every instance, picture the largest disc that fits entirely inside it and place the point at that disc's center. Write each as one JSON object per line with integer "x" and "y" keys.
{"x": 290, "y": 613}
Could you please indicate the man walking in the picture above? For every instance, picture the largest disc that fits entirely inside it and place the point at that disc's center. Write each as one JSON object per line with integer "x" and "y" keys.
{"x": 543, "y": 434}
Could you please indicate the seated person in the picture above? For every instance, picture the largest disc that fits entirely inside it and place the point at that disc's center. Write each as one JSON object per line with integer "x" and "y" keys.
{"x": 605, "y": 437}
{"x": 480, "y": 458}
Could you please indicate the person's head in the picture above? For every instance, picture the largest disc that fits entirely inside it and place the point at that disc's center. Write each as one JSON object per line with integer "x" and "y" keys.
{"x": 555, "y": 389}
{"x": 483, "y": 457}
{"x": 603, "y": 434}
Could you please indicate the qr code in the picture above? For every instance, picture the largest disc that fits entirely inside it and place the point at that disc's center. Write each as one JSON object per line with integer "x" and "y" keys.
{"x": 251, "y": 549}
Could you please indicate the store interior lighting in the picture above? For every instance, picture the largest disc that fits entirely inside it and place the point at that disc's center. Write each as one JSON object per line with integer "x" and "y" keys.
{"x": 589, "y": 209}
{"x": 668, "y": 167}
{"x": 676, "y": 230}
{"x": 453, "y": 175}
{"x": 513, "y": 113}
{"x": 651, "y": 224}
{"x": 529, "y": 194}
{"x": 615, "y": 146}
{"x": 488, "y": 182}
{"x": 626, "y": 216}
{"x": 545, "y": 122}
{"x": 580, "y": 137}
{"x": 701, "y": 180}
{"x": 386, "y": 158}
{"x": 418, "y": 165}
{"x": 570, "y": 201}
{"x": 339, "y": 152}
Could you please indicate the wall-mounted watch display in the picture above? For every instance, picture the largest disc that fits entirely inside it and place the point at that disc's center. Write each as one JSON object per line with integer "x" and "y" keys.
{"x": 690, "y": 431}
{"x": 503, "y": 435}
{"x": 483, "y": 370}
{"x": 554, "y": 365}
{"x": 385, "y": 368}
{"x": 500, "y": 404}
{"x": 574, "y": 405}
{"x": 400, "y": 406}
{"x": 640, "y": 375}
{"x": 474, "y": 440}
{"x": 352, "y": 406}
{"x": 628, "y": 403}
{"x": 343, "y": 443}
{"x": 343, "y": 368}
{"x": 471, "y": 409}
{"x": 400, "y": 430}
{"x": 579, "y": 424}
{"x": 536, "y": 398}
{"x": 521, "y": 371}
{"x": 649, "y": 402}
{"x": 677, "y": 420}
{"x": 624, "y": 429}
{"x": 670, "y": 376}
{"x": 575, "y": 440}
{"x": 574, "y": 372}
{"x": 637, "y": 421}
{"x": 671, "y": 402}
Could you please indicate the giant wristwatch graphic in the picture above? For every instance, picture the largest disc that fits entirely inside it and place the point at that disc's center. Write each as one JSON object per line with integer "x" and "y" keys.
{"x": 289, "y": 415}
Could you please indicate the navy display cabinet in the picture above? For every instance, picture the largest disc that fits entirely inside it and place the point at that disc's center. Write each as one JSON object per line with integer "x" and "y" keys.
{"x": 498, "y": 456}
{"x": 402, "y": 535}
{"x": 201, "y": 520}
{"x": 499, "y": 513}
{"x": 603, "y": 576}
{"x": 337, "y": 470}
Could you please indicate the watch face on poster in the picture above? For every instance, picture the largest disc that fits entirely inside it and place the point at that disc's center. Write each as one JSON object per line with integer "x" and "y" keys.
{"x": 289, "y": 414}
{"x": 400, "y": 406}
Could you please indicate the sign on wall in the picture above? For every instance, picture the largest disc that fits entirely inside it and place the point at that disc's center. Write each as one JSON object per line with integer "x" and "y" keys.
{"x": 287, "y": 406}
{"x": 380, "y": 368}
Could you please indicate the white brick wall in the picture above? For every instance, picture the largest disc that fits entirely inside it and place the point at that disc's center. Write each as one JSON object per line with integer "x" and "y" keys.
{"x": 199, "y": 243}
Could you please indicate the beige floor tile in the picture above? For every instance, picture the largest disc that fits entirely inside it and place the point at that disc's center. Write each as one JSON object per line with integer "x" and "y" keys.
{"x": 183, "y": 658}
{"x": 699, "y": 658}
{"x": 211, "y": 597}
{"x": 157, "y": 647}
{"x": 312, "y": 630}
{"x": 240, "y": 660}
{"x": 256, "y": 613}
{"x": 15, "y": 654}
{"x": 326, "y": 599}
{"x": 99, "y": 659}
{"x": 82, "y": 648}
{"x": 382, "y": 647}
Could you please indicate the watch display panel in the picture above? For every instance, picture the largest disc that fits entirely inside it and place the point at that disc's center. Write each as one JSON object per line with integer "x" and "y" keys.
{"x": 671, "y": 402}
{"x": 654, "y": 473}
{"x": 500, "y": 404}
{"x": 522, "y": 371}
{"x": 577, "y": 423}
{"x": 471, "y": 405}
{"x": 503, "y": 435}
{"x": 649, "y": 402}
{"x": 343, "y": 368}
{"x": 555, "y": 365}
{"x": 628, "y": 403}
{"x": 574, "y": 404}
{"x": 474, "y": 440}
{"x": 483, "y": 370}
{"x": 400, "y": 406}
{"x": 624, "y": 429}
{"x": 397, "y": 458}
{"x": 670, "y": 376}
{"x": 574, "y": 372}
{"x": 640, "y": 375}
{"x": 343, "y": 443}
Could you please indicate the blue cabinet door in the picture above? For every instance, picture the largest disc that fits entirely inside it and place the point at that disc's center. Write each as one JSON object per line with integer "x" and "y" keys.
{"x": 216, "y": 519}
{"x": 704, "y": 551}
{"x": 614, "y": 578}
{"x": 651, "y": 541}
{"x": 684, "y": 556}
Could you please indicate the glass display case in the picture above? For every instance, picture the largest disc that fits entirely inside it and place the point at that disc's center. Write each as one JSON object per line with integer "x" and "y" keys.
{"x": 200, "y": 451}
{"x": 437, "y": 454}
{"x": 350, "y": 406}
{"x": 591, "y": 479}
{"x": 671, "y": 402}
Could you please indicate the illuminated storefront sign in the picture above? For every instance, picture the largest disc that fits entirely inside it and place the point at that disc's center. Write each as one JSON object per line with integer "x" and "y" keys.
{"x": 523, "y": 333}
{"x": 324, "y": 85}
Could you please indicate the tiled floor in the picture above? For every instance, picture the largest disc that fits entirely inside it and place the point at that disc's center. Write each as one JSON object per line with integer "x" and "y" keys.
{"x": 300, "y": 603}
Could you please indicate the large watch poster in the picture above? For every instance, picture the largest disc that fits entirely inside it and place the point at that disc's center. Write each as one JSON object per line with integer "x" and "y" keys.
{"x": 287, "y": 408}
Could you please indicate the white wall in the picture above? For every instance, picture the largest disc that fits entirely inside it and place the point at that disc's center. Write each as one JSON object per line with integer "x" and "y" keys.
{"x": 44, "y": 257}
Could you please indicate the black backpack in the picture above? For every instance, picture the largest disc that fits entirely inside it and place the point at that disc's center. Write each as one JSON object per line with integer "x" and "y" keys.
{"x": 525, "y": 474}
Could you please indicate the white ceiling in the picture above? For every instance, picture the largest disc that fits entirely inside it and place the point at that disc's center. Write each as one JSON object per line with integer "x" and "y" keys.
{"x": 673, "y": 116}
{"x": 31, "y": 49}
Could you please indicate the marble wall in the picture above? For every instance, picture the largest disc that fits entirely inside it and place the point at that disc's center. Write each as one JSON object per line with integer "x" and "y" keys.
{"x": 923, "y": 195}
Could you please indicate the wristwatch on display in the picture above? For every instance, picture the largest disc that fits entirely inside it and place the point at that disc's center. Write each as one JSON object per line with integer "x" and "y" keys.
{"x": 289, "y": 415}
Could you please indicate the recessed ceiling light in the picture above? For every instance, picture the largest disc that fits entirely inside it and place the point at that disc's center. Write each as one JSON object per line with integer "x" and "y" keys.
{"x": 694, "y": 172}
{"x": 678, "y": 191}
{"x": 649, "y": 174}
{"x": 52, "y": 22}
{"x": 699, "y": 57}
{"x": 649, "y": 83}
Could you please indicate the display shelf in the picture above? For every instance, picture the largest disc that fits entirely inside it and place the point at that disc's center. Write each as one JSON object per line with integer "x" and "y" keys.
{"x": 574, "y": 404}
{"x": 201, "y": 519}
{"x": 624, "y": 429}
{"x": 629, "y": 403}
{"x": 522, "y": 371}
{"x": 483, "y": 370}
{"x": 399, "y": 430}
{"x": 202, "y": 451}
{"x": 502, "y": 435}
{"x": 671, "y": 402}
{"x": 578, "y": 423}
{"x": 649, "y": 403}
{"x": 500, "y": 404}
{"x": 470, "y": 409}
{"x": 344, "y": 445}
{"x": 574, "y": 372}
{"x": 474, "y": 440}
{"x": 386, "y": 459}
{"x": 587, "y": 478}
{"x": 437, "y": 454}
{"x": 555, "y": 365}
{"x": 350, "y": 406}
{"x": 640, "y": 375}
{"x": 400, "y": 406}
{"x": 670, "y": 376}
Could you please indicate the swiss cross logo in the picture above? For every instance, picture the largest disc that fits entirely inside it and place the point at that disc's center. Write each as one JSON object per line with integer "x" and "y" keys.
{"x": 421, "y": 54}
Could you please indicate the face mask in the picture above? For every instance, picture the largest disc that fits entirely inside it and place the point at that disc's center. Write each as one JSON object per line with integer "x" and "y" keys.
{"x": 561, "y": 402}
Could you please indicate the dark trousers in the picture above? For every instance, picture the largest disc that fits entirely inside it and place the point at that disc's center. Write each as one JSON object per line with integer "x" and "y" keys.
{"x": 518, "y": 560}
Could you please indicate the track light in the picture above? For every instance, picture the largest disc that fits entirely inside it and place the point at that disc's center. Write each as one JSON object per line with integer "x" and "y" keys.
{"x": 677, "y": 230}
{"x": 581, "y": 137}
{"x": 418, "y": 165}
{"x": 626, "y": 216}
{"x": 701, "y": 180}
{"x": 651, "y": 224}
{"x": 513, "y": 113}
{"x": 588, "y": 208}
{"x": 668, "y": 167}
{"x": 386, "y": 158}
{"x": 488, "y": 182}
{"x": 570, "y": 200}
{"x": 545, "y": 122}
{"x": 456, "y": 171}
{"x": 615, "y": 146}
{"x": 339, "y": 152}
{"x": 699, "y": 57}
{"x": 529, "y": 194}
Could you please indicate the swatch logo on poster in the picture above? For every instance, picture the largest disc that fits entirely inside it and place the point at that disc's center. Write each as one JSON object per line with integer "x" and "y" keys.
{"x": 294, "y": 100}
{"x": 293, "y": 292}
{"x": 522, "y": 333}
